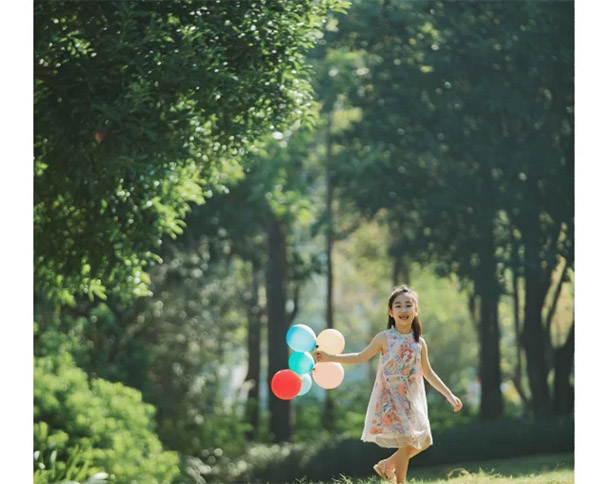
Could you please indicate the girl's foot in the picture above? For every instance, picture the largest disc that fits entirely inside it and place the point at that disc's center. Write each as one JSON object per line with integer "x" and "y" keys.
{"x": 386, "y": 473}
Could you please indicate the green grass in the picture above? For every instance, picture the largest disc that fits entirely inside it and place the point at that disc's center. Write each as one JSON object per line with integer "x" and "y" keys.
{"x": 547, "y": 469}
{"x": 556, "y": 468}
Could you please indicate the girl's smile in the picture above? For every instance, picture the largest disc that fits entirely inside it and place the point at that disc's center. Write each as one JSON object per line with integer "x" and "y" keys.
{"x": 403, "y": 311}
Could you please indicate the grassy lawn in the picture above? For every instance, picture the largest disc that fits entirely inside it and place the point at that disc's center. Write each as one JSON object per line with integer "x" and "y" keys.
{"x": 548, "y": 469}
{"x": 555, "y": 469}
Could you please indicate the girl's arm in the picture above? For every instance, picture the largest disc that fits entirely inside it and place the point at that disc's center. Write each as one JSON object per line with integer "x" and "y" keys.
{"x": 352, "y": 358}
{"x": 435, "y": 381}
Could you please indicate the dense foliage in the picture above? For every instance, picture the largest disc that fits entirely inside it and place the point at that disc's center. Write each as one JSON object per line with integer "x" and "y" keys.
{"x": 142, "y": 108}
{"x": 108, "y": 421}
{"x": 476, "y": 102}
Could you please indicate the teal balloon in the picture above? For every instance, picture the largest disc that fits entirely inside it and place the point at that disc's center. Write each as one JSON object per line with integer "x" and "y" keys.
{"x": 301, "y": 363}
{"x": 301, "y": 338}
{"x": 306, "y": 384}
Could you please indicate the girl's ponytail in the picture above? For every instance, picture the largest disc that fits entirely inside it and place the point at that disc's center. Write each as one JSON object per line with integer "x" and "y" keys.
{"x": 417, "y": 328}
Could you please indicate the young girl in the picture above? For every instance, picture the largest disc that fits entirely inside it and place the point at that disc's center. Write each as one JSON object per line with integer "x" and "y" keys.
{"x": 397, "y": 411}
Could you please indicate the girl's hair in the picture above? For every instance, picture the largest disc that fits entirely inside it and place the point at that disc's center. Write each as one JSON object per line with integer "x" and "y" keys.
{"x": 416, "y": 325}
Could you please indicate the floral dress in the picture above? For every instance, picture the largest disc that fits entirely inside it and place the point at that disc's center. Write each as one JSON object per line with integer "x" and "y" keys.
{"x": 397, "y": 413}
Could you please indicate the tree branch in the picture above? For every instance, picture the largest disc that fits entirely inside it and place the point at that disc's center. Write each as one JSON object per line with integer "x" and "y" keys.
{"x": 296, "y": 299}
{"x": 553, "y": 307}
{"x": 473, "y": 311}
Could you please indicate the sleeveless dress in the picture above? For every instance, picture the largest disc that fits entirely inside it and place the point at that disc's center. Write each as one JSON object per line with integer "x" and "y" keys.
{"x": 397, "y": 414}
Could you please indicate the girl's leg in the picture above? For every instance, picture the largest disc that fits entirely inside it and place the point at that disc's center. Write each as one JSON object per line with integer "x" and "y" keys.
{"x": 402, "y": 463}
{"x": 414, "y": 451}
{"x": 390, "y": 462}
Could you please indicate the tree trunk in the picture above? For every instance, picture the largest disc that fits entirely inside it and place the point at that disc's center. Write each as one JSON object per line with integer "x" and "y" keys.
{"x": 517, "y": 378}
{"x": 276, "y": 289}
{"x": 254, "y": 356}
{"x": 396, "y": 269}
{"x": 405, "y": 270}
{"x": 296, "y": 305}
{"x": 487, "y": 287}
{"x": 550, "y": 313}
{"x": 489, "y": 336}
{"x": 329, "y": 414}
{"x": 473, "y": 307}
{"x": 401, "y": 270}
{"x": 534, "y": 336}
{"x": 563, "y": 391}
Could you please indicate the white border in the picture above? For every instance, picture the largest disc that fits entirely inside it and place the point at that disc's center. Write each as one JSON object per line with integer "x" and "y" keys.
{"x": 16, "y": 222}
{"x": 590, "y": 239}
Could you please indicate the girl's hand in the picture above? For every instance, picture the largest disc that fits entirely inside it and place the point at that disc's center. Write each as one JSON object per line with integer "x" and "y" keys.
{"x": 455, "y": 402}
{"x": 321, "y": 356}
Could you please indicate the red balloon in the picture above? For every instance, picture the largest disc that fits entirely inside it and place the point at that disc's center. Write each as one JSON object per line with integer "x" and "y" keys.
{"x": 286, "y": 384}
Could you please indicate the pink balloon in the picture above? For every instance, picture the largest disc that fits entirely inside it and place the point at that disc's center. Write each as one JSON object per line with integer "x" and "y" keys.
{"x": 331, "y": 341}
{"x": 328, "y": 375}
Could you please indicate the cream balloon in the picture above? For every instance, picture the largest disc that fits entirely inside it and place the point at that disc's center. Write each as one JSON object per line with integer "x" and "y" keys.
{"x": 331, "y": 341}
{"x": 328, "y": 375}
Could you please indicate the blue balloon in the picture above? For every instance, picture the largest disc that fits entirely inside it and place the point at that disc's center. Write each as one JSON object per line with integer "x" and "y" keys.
{"x": 301, "y": 338}
{"x": 306, "y": 384}
{"x": 301, "y": 363}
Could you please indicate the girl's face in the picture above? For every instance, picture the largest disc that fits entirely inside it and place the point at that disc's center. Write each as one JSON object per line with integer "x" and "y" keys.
{"x": 404, "y": 309}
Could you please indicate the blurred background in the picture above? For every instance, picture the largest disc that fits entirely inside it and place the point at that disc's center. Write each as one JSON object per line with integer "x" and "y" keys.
{"x": 209, "y": 173}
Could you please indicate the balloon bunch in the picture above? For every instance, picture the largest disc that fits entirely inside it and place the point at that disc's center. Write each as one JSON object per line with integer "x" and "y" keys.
{"x": 288, "y": 384}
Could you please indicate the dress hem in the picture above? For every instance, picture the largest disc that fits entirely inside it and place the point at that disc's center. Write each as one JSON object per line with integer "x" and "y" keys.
{"x": 404, "y": 442}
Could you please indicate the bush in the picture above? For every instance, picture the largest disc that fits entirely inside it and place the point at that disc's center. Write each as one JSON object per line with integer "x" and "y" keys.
{"x": 503, "y": 438}
{"x": 262, "y": 462}
{"x": 108, "y": 421}
{"x": 346, "y": 455}
{"x": 54, "y": 463}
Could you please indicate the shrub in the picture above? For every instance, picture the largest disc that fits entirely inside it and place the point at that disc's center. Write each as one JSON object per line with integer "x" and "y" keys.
{"x": 108, "y": 421}
{"x": 500, "y": 439}
{"x": 54, "y": 463}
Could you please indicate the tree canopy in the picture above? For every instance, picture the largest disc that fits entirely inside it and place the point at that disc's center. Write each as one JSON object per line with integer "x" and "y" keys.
{"x": 142, "y": 108}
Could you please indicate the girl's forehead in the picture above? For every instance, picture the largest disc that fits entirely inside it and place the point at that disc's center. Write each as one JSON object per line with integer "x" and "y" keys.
{"x": 404, "y": 298}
